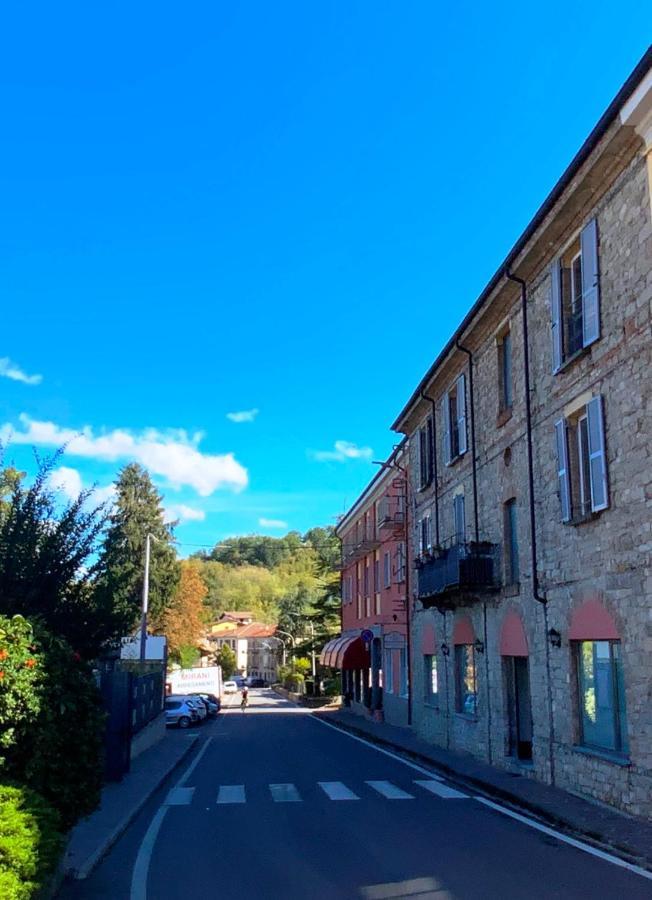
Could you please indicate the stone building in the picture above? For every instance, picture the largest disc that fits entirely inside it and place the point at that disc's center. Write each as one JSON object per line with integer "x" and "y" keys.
{"x": 375, "y": 672}
{"x": 531, "y": 485}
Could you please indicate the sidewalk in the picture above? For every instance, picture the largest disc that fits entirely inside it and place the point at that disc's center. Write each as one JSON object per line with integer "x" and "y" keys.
{"x": 606, "y": 828}
{"x": 92, "y": 838}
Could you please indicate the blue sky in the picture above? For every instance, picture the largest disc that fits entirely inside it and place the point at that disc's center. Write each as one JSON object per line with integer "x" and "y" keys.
{"x": 279, "y": 207}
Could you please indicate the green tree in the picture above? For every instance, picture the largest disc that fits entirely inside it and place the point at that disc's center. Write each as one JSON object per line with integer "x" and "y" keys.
{"x": 46, "y": 548}
{"x": 226, "y": 659}
{"x": 137, "y": 511}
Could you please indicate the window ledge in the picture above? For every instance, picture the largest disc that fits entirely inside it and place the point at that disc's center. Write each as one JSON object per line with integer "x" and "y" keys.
{"x": 504, "y": 415}
{"x": 512, "y": 590}
{"x": 571, "y": 360}
{"x": 583, "y": 519}
{"x": 456, "y": 459}
{"x": 466, "y": 717}
{"x": 617, "y": 759}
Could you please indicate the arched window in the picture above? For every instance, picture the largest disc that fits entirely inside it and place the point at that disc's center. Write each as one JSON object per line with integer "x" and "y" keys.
{"x": 466, "y": 692}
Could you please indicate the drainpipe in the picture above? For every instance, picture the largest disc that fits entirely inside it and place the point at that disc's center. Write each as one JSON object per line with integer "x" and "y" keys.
{"x": 538, "y": 596}
{"x": 473, "y": 459}
{"x": 434, "y": 463}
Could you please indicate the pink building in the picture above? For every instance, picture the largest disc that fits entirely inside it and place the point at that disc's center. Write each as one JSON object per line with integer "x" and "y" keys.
{"x": 373, "y": 649}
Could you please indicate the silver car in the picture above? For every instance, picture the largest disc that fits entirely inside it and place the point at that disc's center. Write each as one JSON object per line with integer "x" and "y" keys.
{"x": 179, "y": 712}
{"x": 194, "y": 702}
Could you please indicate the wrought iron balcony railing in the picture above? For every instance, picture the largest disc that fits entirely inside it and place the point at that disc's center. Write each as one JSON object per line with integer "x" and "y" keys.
{"x": 468, "y": 567}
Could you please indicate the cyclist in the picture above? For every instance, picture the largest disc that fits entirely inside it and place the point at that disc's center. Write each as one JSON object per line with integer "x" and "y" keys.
{"x": 245, "y": 698}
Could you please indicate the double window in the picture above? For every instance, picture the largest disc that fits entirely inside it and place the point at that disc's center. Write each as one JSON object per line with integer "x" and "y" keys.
{"x": 466, "y": 696}
{"x": 459, "y": 519}
{"x": 387, "y": 570}
{"x": 400, "y": 562}
{"x": 425, "y": 535}
{"x": 603, "y": 722}
{"x": 426, "y": 454}
{"x": 453, "y": 408}
{"x": 582, "y": 462}
{"x": 430, "y": 680}
{"x": 575, "y": 297}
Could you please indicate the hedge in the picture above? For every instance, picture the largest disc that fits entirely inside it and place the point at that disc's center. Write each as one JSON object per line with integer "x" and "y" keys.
{"x": 30, "y": 842}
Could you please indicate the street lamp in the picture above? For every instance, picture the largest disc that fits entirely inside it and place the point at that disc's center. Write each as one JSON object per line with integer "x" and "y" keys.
{"x": 287, "y": 634}
{"x": 145, "y": 602}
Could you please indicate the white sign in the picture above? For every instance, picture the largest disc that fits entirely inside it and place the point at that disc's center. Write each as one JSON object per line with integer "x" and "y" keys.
{"x": 155, "y": 648}
{"x": 201, "y": 680}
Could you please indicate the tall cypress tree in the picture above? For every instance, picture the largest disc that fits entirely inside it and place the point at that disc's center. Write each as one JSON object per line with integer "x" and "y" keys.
{"x": 137, "y": 511}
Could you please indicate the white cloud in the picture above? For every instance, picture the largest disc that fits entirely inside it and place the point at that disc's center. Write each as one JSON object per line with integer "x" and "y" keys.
{"x": 182, "y": 513}
{"x": 11, "y": 370}
{"x": 68, "y": 481}
{"x": 245, "y": 415}
{"x": 344, "y": 450}
{"x": 173, "y": 455}
{"x": 272, "y": 523}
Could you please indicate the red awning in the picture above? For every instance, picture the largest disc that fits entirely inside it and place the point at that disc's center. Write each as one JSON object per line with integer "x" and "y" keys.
{"x": 345, "y": 653}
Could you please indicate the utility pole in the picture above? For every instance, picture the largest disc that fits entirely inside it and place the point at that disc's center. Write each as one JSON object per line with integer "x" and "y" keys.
{"x": 312, "y": 654}
{"x": 145, "y": 601}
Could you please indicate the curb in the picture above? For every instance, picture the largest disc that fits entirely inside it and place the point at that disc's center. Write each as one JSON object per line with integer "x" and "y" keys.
{"x": 91, "y": 862}
{"x": 508, "y": 799}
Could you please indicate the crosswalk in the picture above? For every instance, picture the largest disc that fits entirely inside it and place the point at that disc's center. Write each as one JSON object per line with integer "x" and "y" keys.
{"x": 230, "y": 794}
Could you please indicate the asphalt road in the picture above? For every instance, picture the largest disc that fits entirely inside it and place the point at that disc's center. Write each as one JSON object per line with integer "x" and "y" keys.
{"x": 279, "y": 805}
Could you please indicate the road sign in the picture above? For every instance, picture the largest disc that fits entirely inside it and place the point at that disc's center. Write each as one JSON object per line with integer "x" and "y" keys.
{"x": 367, "y": 636}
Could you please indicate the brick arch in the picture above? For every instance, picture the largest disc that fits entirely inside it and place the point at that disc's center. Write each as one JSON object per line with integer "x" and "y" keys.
{"x": 463, "y": 632}
{"x": 513, "y": 640}
{"x": 592, "y": 621}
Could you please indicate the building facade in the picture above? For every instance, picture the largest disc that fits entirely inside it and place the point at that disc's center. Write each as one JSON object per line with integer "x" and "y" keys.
{"x": 375, "y": 672}
{"x": 531, "y": 489}
{"x": 255, "y": 646}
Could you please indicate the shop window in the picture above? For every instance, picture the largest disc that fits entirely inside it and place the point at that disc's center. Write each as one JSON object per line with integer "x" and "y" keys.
{"x": 466, "y": 697}
{"x": 431, "y": 680}
{"x": 601, "y": 691}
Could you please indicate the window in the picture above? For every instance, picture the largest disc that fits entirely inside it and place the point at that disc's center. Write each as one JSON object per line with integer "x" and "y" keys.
{"x": 505, "y": 372}
{"x": 453, "y": 407}
{"x": 366, "y": 579}
{"x": 575, "y": 297}
{"x": 425, "y": 535}
{"x": 603, "y": 721}
{"x": 376, "y": 573}
{"x": 430, "y": 685}
{"x": 388, "y": 678}
{"x": 400, "y": 562}
{"x": 459, "y": 519}
{"x": 403, "y": 673}
{"x": 511, "y": 543}
{"x": 465, "y": 685}
{"x": 582, "y": 463}
{"x": 387, "y": 570}
{"x": 426, "y": 451}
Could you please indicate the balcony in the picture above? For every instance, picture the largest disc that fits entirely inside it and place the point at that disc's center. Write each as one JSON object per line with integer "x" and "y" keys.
{"x": 389, "y": 517}
{"x": 462, "y": 568}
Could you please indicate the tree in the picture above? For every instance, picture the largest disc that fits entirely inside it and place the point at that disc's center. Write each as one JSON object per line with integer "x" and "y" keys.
{"x": 137, "y": 511}
{"x": 184, "y": 617}
{"x": 46, "y": 548}
{"x": 251, "y": 588}
{"x": 226, "y": 659}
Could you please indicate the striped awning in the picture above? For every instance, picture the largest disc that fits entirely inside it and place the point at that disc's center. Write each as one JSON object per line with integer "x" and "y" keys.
{"x": 348, "y": 652}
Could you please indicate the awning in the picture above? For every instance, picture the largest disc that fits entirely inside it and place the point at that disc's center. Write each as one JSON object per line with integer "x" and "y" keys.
{"x": 345, "y": 653}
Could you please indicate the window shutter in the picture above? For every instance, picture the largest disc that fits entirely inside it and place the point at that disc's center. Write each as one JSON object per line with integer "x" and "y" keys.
{"x": 422, "y": 457}
{"x": 597, "y": 455}
{"x": 431, "y": 449}
{"x": 446, "y": 434}
{"x": 562, "y": 470}
{"x": 557, "y": 324}
{"x": 461, "y": 413}
{"x": 590, "y": 284}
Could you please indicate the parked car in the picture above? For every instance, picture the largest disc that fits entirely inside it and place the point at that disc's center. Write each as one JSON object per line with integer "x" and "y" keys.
{"x": 194, "y": 703}
{"x": 239, "y": 680}
{"x": 211, "y": 703}
{"x": 179, "y": 712}
{"x": 255, "y": 682}
{"x": 230, "y": 687}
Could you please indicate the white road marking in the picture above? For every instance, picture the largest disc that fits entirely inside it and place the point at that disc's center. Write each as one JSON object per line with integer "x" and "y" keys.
{"x": 284, "y": 793}
{"x": 441, "y": 790}
{"x": 179, "y": 796}
{"x": 141, "y": 866}
{"x": 389, "y": 790}
{"x": 579, "y": 845}
{"x": 524, "y": 820}
{"x": 231, "y": 793}
{"x": 335, "y": 790}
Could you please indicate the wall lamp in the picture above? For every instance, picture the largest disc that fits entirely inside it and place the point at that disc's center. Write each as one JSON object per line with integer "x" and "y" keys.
{"x": 445, "y": 649}
{"x": 478, "y": 646}
{"x": 555, "y": 638}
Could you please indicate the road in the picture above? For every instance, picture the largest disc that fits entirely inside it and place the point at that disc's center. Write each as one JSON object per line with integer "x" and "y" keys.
{"x": 279, "y": 805}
